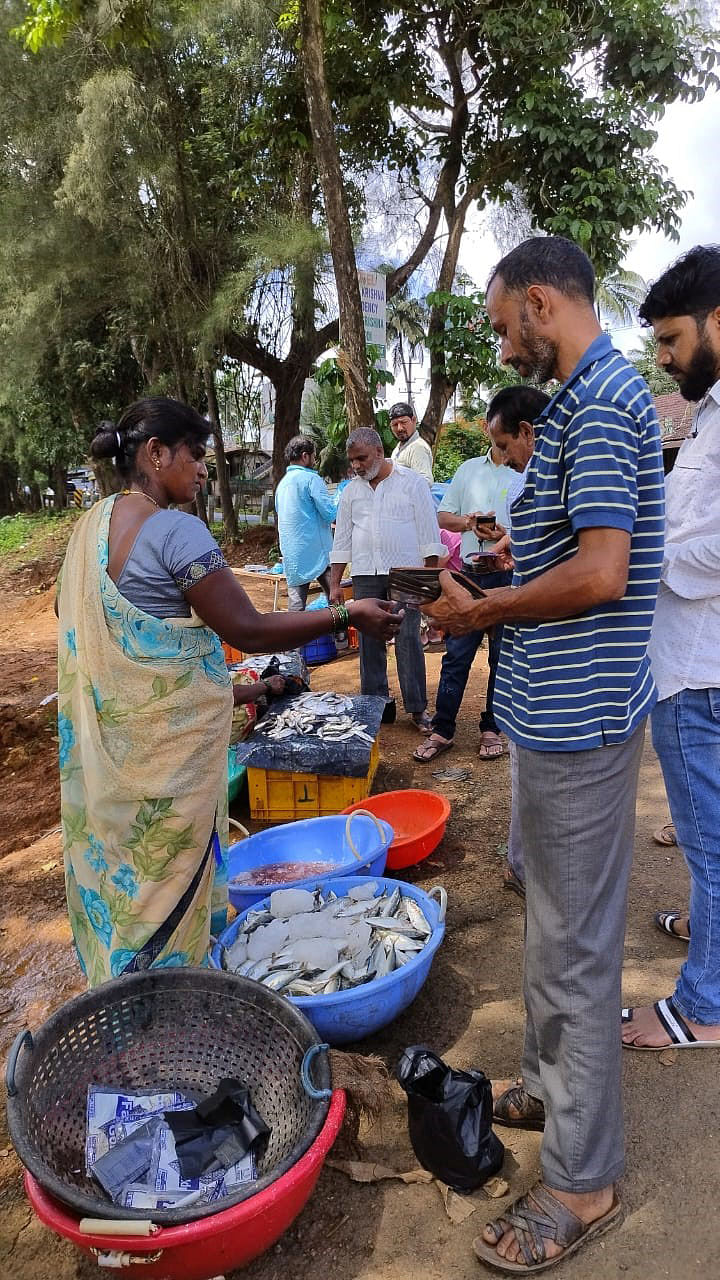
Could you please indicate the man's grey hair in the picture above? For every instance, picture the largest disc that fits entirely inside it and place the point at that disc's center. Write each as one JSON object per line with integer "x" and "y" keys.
{"x": 364, "y": 436}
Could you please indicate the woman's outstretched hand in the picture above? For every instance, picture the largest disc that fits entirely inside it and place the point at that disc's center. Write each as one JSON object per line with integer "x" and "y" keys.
{"x": 376, "y": 618}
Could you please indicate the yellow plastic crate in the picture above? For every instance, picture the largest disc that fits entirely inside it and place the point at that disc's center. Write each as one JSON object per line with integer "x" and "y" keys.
{"x": 277, "y": 796}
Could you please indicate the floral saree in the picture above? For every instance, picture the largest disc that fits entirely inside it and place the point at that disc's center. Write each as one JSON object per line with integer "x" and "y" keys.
{"x": 144, "y": 711}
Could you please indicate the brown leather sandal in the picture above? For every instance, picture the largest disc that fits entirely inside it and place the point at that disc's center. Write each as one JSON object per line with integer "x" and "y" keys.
{"x": 535, "y": 1218}
{"x": 530, "y": 1111}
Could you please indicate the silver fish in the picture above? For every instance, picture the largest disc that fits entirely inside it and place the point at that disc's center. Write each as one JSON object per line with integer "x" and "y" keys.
{"x": 254, "y": 919}
{"x": 417, "y": 917}
{"x": 251, "y": 969}
{"x": 405, "y": 943}
{"x": 391, "y": 905}
{"x": 393, "y": 925}
{"x": 363, "y": 908}
{"x": 382, "y": 959}
{"x": 279, "y": 979}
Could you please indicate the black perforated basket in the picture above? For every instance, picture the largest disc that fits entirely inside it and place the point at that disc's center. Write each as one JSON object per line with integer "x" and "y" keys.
{"x": 163, "y": 1029}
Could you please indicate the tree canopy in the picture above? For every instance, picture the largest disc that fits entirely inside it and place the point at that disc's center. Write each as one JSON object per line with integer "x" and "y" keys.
{"x": 160, "y": 192}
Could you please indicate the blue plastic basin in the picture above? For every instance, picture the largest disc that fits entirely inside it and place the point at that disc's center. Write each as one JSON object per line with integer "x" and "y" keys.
{"x": 351, "y": 1015}
{"x": 312, "y": 840}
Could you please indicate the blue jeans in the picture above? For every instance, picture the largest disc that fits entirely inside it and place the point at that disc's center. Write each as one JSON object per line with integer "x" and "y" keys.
{"x": 686, "y": 737}
{"x": 457, "y": 660}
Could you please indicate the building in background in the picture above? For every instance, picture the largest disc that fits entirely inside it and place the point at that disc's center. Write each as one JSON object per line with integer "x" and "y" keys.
{"x": 675, "y": 415}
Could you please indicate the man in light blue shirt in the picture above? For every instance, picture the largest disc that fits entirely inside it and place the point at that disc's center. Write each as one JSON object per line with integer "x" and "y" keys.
{"x": 479, "y": 487}
{"x": 305, "y": 513}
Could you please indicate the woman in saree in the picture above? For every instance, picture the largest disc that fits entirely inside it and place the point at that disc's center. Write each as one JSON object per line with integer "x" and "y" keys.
{"x": 145, "y": 699}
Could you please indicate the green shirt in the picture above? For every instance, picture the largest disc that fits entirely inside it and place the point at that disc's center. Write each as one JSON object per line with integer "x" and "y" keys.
{"x": 479, "y": 485}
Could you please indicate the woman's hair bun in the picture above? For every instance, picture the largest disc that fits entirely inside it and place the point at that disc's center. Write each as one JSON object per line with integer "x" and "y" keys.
{"x": 104, "y": 443}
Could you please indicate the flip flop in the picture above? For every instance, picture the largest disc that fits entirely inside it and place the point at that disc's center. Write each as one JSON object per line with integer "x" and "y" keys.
{"x": 492, "y": 749}
{"x": 665, "y": 835}
{"x": 513, "y": 882}
{"x": 535, "y": 1218}
{"x": 429, "y": 750}
{"x": 672, "y": 1021}
{"x": 664, "y": 921}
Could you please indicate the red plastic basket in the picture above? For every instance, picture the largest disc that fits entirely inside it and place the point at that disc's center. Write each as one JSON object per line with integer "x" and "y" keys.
{"x": 210, "y": 1246}
{"x": 418, "y": 819}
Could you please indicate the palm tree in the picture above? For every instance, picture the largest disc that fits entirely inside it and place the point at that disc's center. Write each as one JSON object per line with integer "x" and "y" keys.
{"x": 618, "y": 296}
{"x": 406, "y": 329}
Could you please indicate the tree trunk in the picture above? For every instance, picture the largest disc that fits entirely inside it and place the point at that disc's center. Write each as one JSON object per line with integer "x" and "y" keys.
{"x": 200, "y": 507}
{"x": 226, "y": 502}
{"x": 60, "y": 487}
{"x": 441, "y": 387}
{"x": 9, "y": 501}
{"x": 288, "y": 399}
{"x": 352, "y": 357}
{"x": 107, "y": 476}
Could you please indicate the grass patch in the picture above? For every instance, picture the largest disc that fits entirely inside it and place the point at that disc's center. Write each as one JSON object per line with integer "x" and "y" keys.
{"x": 24, "y": 538}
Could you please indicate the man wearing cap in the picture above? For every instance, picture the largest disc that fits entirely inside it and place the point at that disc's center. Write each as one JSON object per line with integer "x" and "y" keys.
{"x": 411, "y": 450}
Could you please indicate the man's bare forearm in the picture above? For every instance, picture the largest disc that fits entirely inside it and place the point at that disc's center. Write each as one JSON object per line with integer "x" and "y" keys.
{"x": 336, "y": 575}
{"x": 454, "y": 524}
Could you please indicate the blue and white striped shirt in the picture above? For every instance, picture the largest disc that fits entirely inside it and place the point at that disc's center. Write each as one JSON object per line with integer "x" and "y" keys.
{"x": 584, "y": 682}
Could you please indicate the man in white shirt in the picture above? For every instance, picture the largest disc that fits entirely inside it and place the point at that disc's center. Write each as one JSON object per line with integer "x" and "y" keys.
{"x": 683, "y": 307}
{"x": 411, "y": 450}
{"x": 386, "y": 518}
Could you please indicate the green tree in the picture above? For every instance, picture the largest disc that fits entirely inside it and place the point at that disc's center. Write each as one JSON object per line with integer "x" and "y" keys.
{"x": 618, "y": 295}
{"x": 455, "y": 444}
{"x": 440, "y": 94}
{"x": 644, "y": 358}
{"x": 407, "y": 319}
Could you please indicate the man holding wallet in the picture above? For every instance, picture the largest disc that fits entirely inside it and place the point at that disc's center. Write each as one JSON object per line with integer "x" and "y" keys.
{"x": 478, "y": 491}
{"x": 574, "y": 688}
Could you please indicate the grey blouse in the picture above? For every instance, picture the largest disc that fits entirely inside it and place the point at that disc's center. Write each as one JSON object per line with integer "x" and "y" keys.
{"x": 171, "y": 553}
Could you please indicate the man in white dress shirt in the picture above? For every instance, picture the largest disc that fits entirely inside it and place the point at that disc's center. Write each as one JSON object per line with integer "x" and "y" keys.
{"x": 386, "y": 518}
{"x": 411, "y": 450}
{"x": 683, "y": 307}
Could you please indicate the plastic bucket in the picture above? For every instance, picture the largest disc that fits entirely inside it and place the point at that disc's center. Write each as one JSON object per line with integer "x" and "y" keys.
{"x": 418, "y": 819}
{"x": 312, "y": 840}
{"x": 352, "y": 1015}
{"x": 213, "y": 1245}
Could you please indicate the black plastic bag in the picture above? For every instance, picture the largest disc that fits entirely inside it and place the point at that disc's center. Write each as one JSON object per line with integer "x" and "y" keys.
{"x": 450, "y": 1119}
{"x": 218, "y": 1132}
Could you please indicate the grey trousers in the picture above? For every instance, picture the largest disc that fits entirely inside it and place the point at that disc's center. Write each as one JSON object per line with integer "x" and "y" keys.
{"x": 408, "y": 651}
{"x": 577, "y": 820}
{"x": 297, "y": 596}
{"x": 515, "y": 858}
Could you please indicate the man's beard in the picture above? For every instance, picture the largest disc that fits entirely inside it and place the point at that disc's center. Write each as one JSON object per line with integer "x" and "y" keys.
{"x": 701, "y": 372}
{"x": 371, "y": 470}
{"x": 540, "y": 354}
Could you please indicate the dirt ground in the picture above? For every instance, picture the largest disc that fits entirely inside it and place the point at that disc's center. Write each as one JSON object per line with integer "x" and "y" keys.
{"x": 469, "y": 1011}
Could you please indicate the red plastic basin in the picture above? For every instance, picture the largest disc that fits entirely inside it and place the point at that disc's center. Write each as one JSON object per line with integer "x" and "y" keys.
{"x": 211, "y": 1246}
{"x": 418, "y": 819}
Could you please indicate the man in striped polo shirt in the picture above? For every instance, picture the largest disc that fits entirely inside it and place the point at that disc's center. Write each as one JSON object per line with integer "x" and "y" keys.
{"x": 573, "y": 691}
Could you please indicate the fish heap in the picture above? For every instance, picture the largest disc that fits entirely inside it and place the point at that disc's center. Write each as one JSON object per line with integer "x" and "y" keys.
{"x": 321, "y": 716}
{"x": 307, "y": 944}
